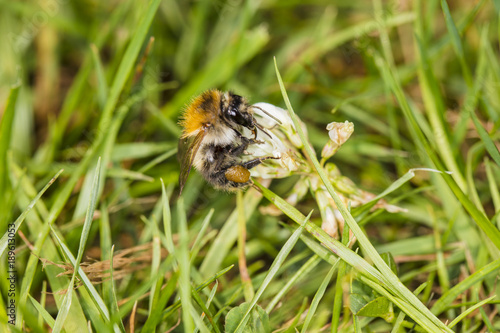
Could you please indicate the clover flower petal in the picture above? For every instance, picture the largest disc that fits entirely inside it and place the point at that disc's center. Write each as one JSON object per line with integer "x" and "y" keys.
{"x": 338, "y": 133}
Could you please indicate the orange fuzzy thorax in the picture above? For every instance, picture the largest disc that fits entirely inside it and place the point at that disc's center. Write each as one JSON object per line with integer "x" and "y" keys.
{"x": 203, "y": 110}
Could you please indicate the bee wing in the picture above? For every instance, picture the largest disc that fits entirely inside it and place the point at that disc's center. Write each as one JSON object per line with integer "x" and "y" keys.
{"x": 187, "y": 156}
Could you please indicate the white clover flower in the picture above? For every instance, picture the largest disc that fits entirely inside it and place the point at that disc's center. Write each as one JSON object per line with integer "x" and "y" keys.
{"x": 338, "y": 133}
{"x": 283, "y": 142}
{"x": 286, "y": 122}
{"x": 277, "y": 143}
{"x": 329, "y": 222}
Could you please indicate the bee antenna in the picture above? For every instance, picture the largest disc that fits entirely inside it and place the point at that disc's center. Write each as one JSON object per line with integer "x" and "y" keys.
{"x": 259, "y": 126}
{"x": 267, "y": 113}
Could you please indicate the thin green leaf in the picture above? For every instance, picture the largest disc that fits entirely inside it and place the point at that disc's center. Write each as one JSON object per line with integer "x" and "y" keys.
{"x": 5, "y": 238}
{"x": 248, "y": 290}
{"x": 495, "y": 193}
{"x": 388, "y": 275}
{"x": 434, "y": 107}
{"x": 300, "y": 274}
{"x": 126, "y": 65}
{"x": 63, "y": 312}
{"x": 209, "y": 301}
{"x": 168, "y": 311}
{"x": 470, "y": 310}
{"x": 318, "y": 296}
{"x": 102, "y": 85}
{"x": 167, "y": 292}
{"x": 43, "y": 312}
{"x": 206, "y": 313}
{"x": 339, "y": 288}
{"x": 273, "y": 270}
{"x": 445, "y": 300}
{"x": 182, "y": 257}
{"x": 456, "y": 42}
{"x": 195, "y": 248}
{"x": 6, "y": 126}
{"x": 423, "y": 145}
{"x": 114, "y": 309}
{"x": 227, "y": 236}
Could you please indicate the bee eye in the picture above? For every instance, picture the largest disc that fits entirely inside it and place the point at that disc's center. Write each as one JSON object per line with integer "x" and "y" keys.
{"x": 240, "y": 118}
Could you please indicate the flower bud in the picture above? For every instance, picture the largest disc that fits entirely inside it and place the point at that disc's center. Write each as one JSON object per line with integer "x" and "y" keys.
{"x": 338, "y": 133}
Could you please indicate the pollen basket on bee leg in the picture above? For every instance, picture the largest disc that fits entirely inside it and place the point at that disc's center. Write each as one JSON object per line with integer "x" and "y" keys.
{"x": 238, "y": 174}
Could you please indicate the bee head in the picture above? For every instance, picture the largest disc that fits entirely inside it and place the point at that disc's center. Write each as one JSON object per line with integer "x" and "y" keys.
{"x": 236, "y": 111}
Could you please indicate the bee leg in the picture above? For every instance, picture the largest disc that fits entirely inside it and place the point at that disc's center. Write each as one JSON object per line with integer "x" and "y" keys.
{"x": 253, "y": 163}
{"x": 256, "y": 188}
{"x": 254, "y": 131}
{"x": 249, "y": 142}
{"x": 239, "y": 150}
{"x": 246, "y": 140}
{"x": 272, "y": 127}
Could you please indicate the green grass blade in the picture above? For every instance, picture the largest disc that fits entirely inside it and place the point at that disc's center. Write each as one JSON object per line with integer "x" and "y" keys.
{"x": 206, "y": 313}
{"x": 469, "y": 310}
{"x": 389, "y": 277}
{"x": 456, "y": 42}
{"x": 368, "y": 273}
{"x": 339, "y": 288}
{"x": 43, "y": 312}
{"x": 102, "y": 85}
{"x": 5, "y": 238}
{"x": 493, "y": 184}
{"x": 40, "y": 250}
{"x": 113, "y": 307}
{"x": 300, "y": 274}
{"x": 406, "y": 307}
{"x": 6, "y": 126}
{"x": 195, "y": 248}
{"x": 445, "y": 300}
{"x": 246, "y": 281}
{"x": 127, "y": 64}
{"x": 168, "y": 311}
{"x": 485, "y": 137}
{"x": 481, "y": 220}
{"x": 166, "y": 293}
{"x": 227, "y": 236}
{"x": 394, "y": 186}
{"x": 88, "y": 217}
{"x": 318, "y": 296}
{"x": 105, "y": 243}
{"x": 155, "y": 266}
{"x": 209, "y": 301}
{"x": 63, "y": 312}
{"x": 167, "y": 220}
{"x": 481, "y": 72}
{"x": 95, "y": 296}
{"x": 472, "y": 156}
{"x": 273, "y": 270}
{"x": 434, "y": 107}
{"x": 182, "y": 256}
{"x": 330, "y": 243}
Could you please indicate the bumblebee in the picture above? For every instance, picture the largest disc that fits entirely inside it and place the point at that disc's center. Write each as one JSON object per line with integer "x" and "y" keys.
{"x": 213, "y": 142}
